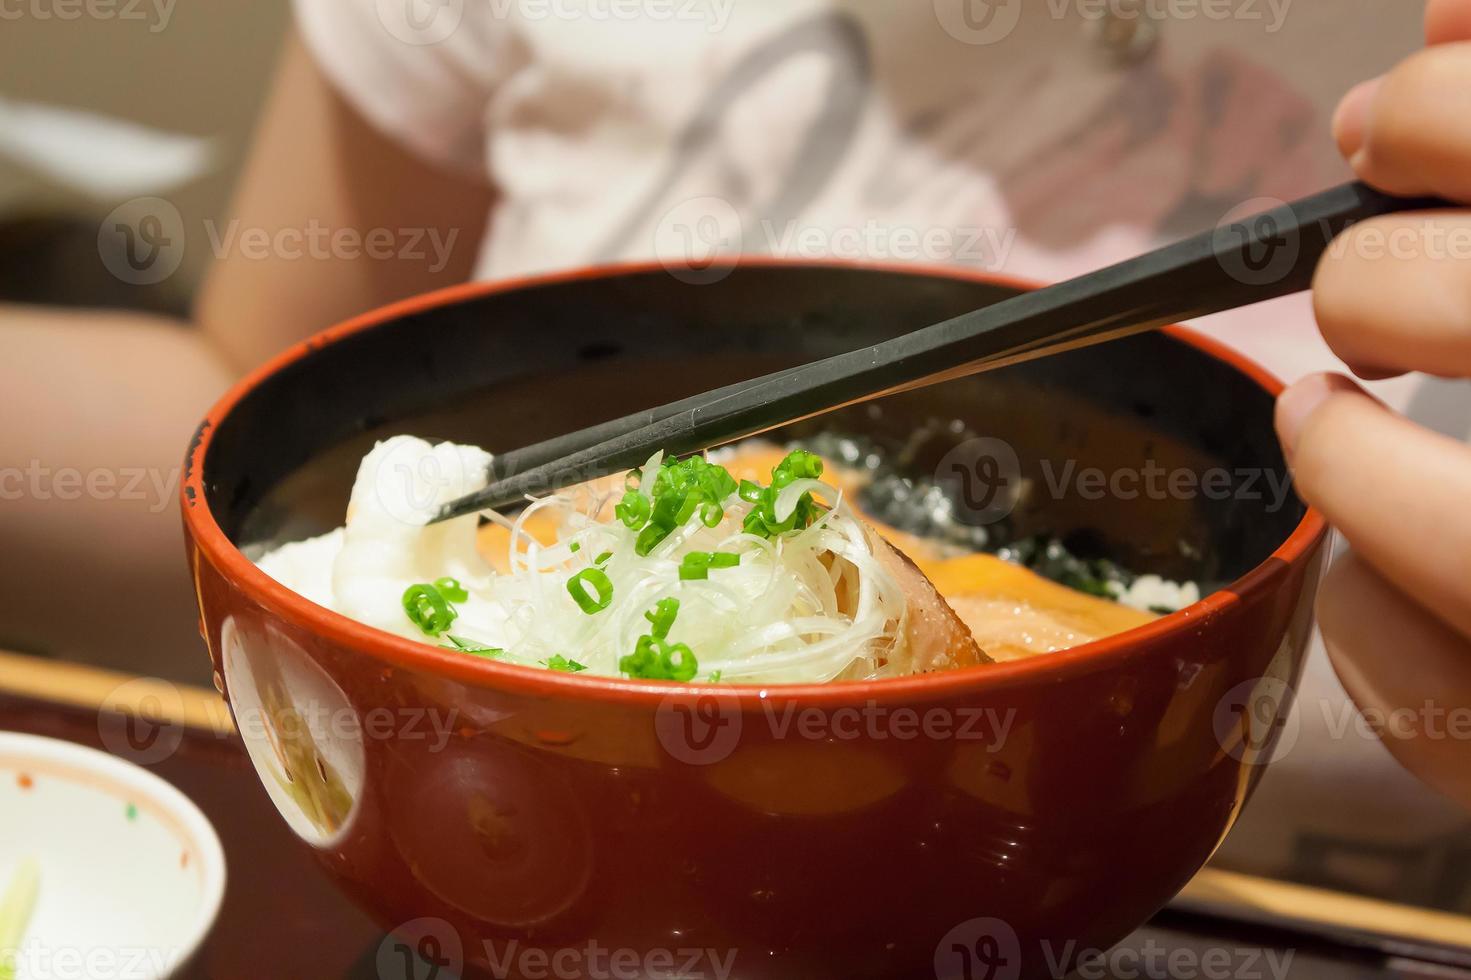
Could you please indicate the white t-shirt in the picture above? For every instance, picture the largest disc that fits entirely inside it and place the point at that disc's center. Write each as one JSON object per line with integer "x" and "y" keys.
{"x": 1037, "y": 138}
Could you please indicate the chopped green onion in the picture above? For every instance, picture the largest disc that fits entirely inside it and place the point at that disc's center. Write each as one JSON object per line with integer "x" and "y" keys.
{"x": 451, "y": 589}
{"x": 672, "y": 509}
{"x": 761, "y": 521}
{"x": 802, "y": 465}
{"x": 602, "y": 590}
{"x": 659, "y": 660}
{"x": 662, "y": 617}
{"x": 634, "y": 510}
{"x": 682, "y": 490}
{"x": 559, "y": 662}
{"x": 654, "y": 657}
{"x": 601, "y": 559}
{"x": 697, "y": 564}
{"x": 715, "y": 677}
{"x": 649, "y": 538}
{"x": 428, "y": 609}
{"x": 575, "y": 547}
{"x": 478, "y": 649}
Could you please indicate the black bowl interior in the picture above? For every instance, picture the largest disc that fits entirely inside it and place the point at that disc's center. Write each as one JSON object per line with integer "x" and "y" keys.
{"x": 1193, "y": 479}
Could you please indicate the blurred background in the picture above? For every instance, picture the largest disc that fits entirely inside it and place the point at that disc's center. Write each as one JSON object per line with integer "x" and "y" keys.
{"x": 96, "y": 111}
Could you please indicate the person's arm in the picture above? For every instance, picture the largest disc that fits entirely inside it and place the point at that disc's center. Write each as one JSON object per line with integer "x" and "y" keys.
{"x": 319, "y": 173}
{"x": 95, "y": 569}
{"x": 1395, "y": 296}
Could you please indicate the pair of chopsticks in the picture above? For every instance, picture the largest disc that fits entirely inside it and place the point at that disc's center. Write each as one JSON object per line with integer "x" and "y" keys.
{"x": 1238, "y": 264}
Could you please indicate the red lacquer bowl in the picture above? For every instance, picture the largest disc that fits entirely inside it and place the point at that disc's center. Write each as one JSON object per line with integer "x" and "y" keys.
{"x": 991, "y": 822}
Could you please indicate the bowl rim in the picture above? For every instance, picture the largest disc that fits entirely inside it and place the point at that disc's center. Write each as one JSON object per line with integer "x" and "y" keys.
{"x": 168, "y": 798}
{"x": 208, "y": 539}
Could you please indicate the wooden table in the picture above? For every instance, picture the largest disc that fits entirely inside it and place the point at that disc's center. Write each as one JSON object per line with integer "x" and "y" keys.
{"x": 284, "y": 919}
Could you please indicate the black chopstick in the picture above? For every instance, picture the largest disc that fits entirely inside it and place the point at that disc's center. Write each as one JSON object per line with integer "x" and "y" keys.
{"x": 1257, "y": 258}
{"x": 509, "y": 464}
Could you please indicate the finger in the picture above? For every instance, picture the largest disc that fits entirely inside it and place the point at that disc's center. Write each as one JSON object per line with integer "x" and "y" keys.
{"x": 1351, "y": 120}
{"x": 1447, "y": 21}
{"x": 1409, "y": 674}
{"x": 1396, "y": 491}
{"x": 1417, "y": 130}
{"x": 1393, "y": 294}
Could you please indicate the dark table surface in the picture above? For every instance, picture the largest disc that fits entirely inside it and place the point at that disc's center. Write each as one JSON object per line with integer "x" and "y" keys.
{"x": 284, "y": 919}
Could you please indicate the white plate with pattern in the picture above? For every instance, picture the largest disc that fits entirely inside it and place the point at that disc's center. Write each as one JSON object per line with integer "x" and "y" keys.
{"x": 129, "y": 873}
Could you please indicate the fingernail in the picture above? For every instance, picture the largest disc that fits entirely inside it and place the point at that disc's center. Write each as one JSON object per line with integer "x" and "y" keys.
{"x": 1298, "y": 403}
{"x": 1368, "y": 373}
{"x": 1351, "y": 120}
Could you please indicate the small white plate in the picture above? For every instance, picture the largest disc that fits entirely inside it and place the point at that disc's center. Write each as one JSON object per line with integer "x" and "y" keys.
{"x": 131, "y": 873}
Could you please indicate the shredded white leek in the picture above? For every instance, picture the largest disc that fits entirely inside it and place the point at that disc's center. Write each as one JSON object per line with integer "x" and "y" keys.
{"x": 809, "y": 606}
{"x": 16, "y": 909}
